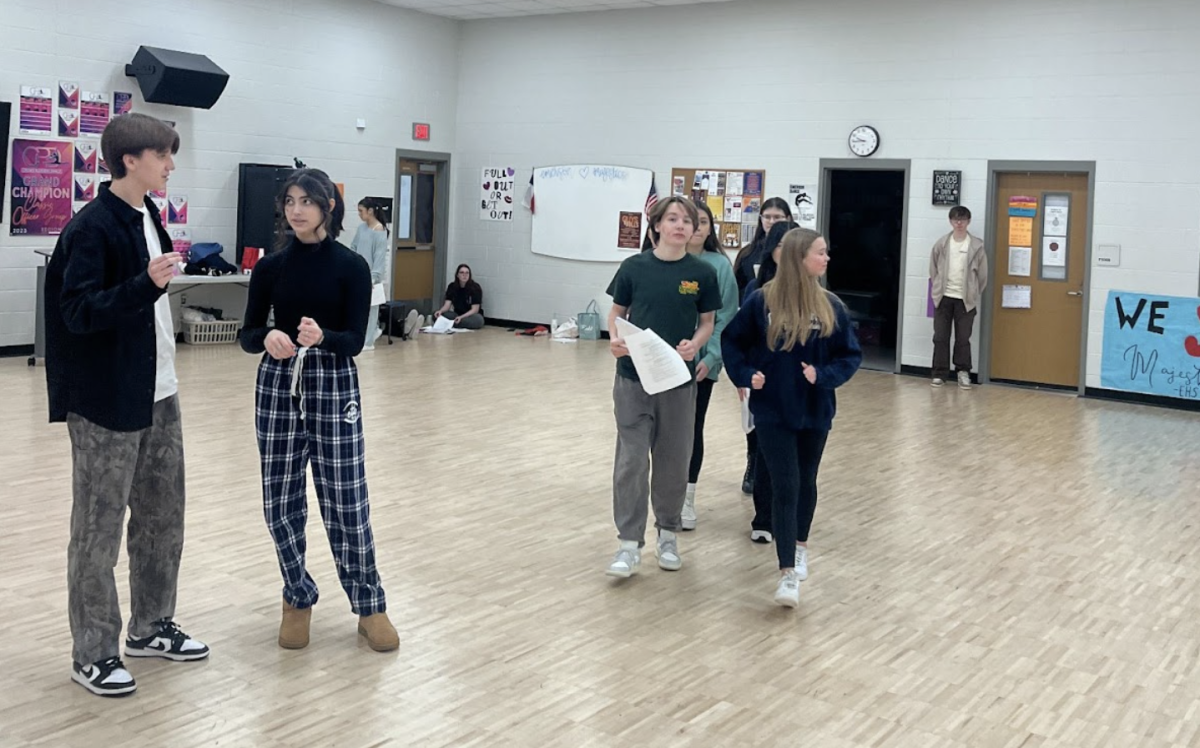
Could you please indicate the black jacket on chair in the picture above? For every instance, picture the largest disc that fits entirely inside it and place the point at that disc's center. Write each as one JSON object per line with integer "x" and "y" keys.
{"x": 99, "y": 315}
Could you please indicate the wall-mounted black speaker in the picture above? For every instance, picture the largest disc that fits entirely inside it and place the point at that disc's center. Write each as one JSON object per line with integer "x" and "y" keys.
{"x": 180, "y": 78}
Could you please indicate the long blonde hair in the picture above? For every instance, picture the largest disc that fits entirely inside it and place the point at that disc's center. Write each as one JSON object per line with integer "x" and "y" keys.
{"x": 797, "y": 302}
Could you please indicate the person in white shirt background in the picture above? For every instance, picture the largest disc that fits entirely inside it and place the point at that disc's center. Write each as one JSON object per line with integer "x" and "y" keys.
{"x": 958, "y": 273}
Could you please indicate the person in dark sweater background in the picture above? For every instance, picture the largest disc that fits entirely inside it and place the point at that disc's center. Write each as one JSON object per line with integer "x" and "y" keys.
{"x": 745, "y": 268}
{"x": 308, "y": 405}
{"x": 793, "y": 344}
{"x": 760, "y": 526}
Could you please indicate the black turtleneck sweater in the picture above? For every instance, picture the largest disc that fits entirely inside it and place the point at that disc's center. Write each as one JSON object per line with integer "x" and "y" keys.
{"x": 328, "y": 282}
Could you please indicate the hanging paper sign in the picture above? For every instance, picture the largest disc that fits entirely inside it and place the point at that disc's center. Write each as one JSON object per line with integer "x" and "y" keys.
{"x": 93, "y": 113}
{"x": 177, "y": 210}
{"x": 36, "y": 115}
{"x": 68, "y": 95}
{"x": 1151, "y": 345}
{"x": 122, "y": 103}
{"x": 629, "y": 233}
{"x": 85, "y": 157}
{"x": 85, "y": 187}
{"x": 41, "y": 190}
{"x": 498, "y": 188}
{"x": 68, "y": 123}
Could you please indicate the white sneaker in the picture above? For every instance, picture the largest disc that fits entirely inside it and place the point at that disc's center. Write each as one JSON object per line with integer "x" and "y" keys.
{"x": 937, "y": 382}
{"x": 787, "y": 593}
{"x": 625, "y": 564}
{"x": 687, "y": 518}
{"x": 105, "y": 678}
{"x": 761, "y": 536}
{"x": 411, "y": 322}
{"x": 667, "y": 550}
{"x": 802, "y": 562}
{"x": 964, "y": 380}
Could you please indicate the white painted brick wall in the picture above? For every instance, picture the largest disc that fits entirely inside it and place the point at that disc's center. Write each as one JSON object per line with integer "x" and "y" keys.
{"x": 779, "y": 84}
{"x": 301, "y": 72}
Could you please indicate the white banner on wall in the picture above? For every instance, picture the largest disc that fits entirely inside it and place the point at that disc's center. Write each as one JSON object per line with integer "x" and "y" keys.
{"x": 803, "y": 201}
{"x": 497, "y": 194}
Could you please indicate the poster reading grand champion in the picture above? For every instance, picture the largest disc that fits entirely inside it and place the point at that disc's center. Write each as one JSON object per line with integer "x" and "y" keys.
{"x": 41, "y": 187}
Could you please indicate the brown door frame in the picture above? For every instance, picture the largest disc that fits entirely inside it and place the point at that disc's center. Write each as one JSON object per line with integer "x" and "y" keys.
{"x": 441, "y": 212}
{"x": 995, "y": 169}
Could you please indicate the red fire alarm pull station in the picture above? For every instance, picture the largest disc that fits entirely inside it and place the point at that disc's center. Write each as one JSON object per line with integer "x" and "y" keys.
{"x": 420, "y": 131}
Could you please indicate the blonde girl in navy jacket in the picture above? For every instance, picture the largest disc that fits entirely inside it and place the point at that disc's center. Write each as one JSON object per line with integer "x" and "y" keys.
{"x": 793, "y": 344}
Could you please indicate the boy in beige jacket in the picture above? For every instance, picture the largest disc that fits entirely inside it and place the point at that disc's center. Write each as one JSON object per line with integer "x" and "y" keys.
{"x": 958, "y": 271}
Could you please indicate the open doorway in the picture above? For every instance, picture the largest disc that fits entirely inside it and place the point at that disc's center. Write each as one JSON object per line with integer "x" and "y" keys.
{"x": 865, "y": 215}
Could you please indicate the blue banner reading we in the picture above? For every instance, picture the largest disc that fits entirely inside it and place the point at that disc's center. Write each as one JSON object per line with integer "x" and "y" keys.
{"x": 1152, "y": 345}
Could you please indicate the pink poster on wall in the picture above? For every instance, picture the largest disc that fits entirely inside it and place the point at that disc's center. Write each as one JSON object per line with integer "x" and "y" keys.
{"x": 122, "y": 103}
{"x": 41, "y": 187}
{"x": 68, "y": 123}
{"x": 85, "y": 188}
{"x": 93, "y": 113}
{"x": 85, "y": 157}
{"x": 178, "y": 209}
{"x": 68, "y": 95}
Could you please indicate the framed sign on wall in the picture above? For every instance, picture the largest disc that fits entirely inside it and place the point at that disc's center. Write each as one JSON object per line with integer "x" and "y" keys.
{"x": 947, "y": 188}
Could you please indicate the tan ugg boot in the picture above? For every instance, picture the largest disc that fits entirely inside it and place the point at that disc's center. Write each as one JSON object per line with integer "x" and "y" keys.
{"x": 293, "y": 632}
{"x": 381, "y": 634}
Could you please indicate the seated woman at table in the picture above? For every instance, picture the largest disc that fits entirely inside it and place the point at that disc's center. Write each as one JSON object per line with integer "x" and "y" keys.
{"x": 464, "y": 301}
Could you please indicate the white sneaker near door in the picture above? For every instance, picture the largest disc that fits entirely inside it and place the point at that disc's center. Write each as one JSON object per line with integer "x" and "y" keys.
{"x": 964, "y": 380}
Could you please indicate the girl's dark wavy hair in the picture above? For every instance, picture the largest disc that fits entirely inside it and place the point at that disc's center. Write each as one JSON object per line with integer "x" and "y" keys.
{"x": 318, "y": 186}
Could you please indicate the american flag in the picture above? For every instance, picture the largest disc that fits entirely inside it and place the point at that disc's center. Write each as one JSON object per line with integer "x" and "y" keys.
{"x": 652, "y": 198}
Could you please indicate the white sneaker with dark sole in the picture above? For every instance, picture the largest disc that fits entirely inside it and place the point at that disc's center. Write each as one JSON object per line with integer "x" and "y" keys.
{"x": 169, "y": 643}
{"x": 104, "y": 678}
{"x": 761, "y": 536}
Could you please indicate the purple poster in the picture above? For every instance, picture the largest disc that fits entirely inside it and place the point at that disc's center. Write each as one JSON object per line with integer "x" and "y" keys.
{"x": 41, "y": 187}
{"x": 122, "y": 103}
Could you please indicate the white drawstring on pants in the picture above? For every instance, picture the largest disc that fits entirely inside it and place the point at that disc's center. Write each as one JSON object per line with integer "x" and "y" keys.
{"x": 297, "y": 369}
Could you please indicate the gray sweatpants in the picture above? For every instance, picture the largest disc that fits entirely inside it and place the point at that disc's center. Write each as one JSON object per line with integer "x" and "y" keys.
{"x": 661, "y": 426}
{"x": 474, "y": 322}
{"x": 113, "y": 469}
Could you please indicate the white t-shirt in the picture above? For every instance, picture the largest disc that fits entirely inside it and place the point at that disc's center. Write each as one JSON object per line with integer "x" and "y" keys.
{"x": 956, "y": 275}
{"x": 165, "y": 383}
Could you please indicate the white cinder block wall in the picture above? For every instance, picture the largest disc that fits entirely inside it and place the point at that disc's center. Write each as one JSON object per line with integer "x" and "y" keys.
{"x": 778, "y": 84}
{"x": 301, "y": 73}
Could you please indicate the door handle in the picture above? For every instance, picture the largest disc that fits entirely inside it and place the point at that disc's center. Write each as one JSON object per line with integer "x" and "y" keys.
{"x": 1074, "y": 293}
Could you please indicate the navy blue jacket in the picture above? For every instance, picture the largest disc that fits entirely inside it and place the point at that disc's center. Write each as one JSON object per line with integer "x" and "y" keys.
{"x": 101, "y": 347}
{"x": 787, "y": 399}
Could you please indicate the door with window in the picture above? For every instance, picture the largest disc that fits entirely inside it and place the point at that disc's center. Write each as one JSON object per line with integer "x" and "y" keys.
{"x": 414, "y": 267}
{"x": 1037, "y": 278}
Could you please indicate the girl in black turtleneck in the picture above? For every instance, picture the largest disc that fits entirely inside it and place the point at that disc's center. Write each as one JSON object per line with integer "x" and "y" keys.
{"x": 307, "y": 403}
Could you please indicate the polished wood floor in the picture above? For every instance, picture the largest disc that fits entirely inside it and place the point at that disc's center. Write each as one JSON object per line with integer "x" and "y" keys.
{"x": 990, "y": 569}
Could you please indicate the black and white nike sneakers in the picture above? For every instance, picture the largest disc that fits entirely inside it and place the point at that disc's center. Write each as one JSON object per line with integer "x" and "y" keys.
{"x": 168, "y": 642}
{"x": 105, "y": 678}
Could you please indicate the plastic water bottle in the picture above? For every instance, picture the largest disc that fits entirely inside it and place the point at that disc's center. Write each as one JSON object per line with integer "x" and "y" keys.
{"x": 553, "y": 323}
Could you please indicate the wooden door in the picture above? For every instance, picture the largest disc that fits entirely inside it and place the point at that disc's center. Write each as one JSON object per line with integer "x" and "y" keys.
{"x": 413, "y": 269}
{"x": 1039, "y": 344}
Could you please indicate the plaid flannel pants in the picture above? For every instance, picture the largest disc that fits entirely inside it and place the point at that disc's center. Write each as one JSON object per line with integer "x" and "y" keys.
{"x": 308, "y": 408}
